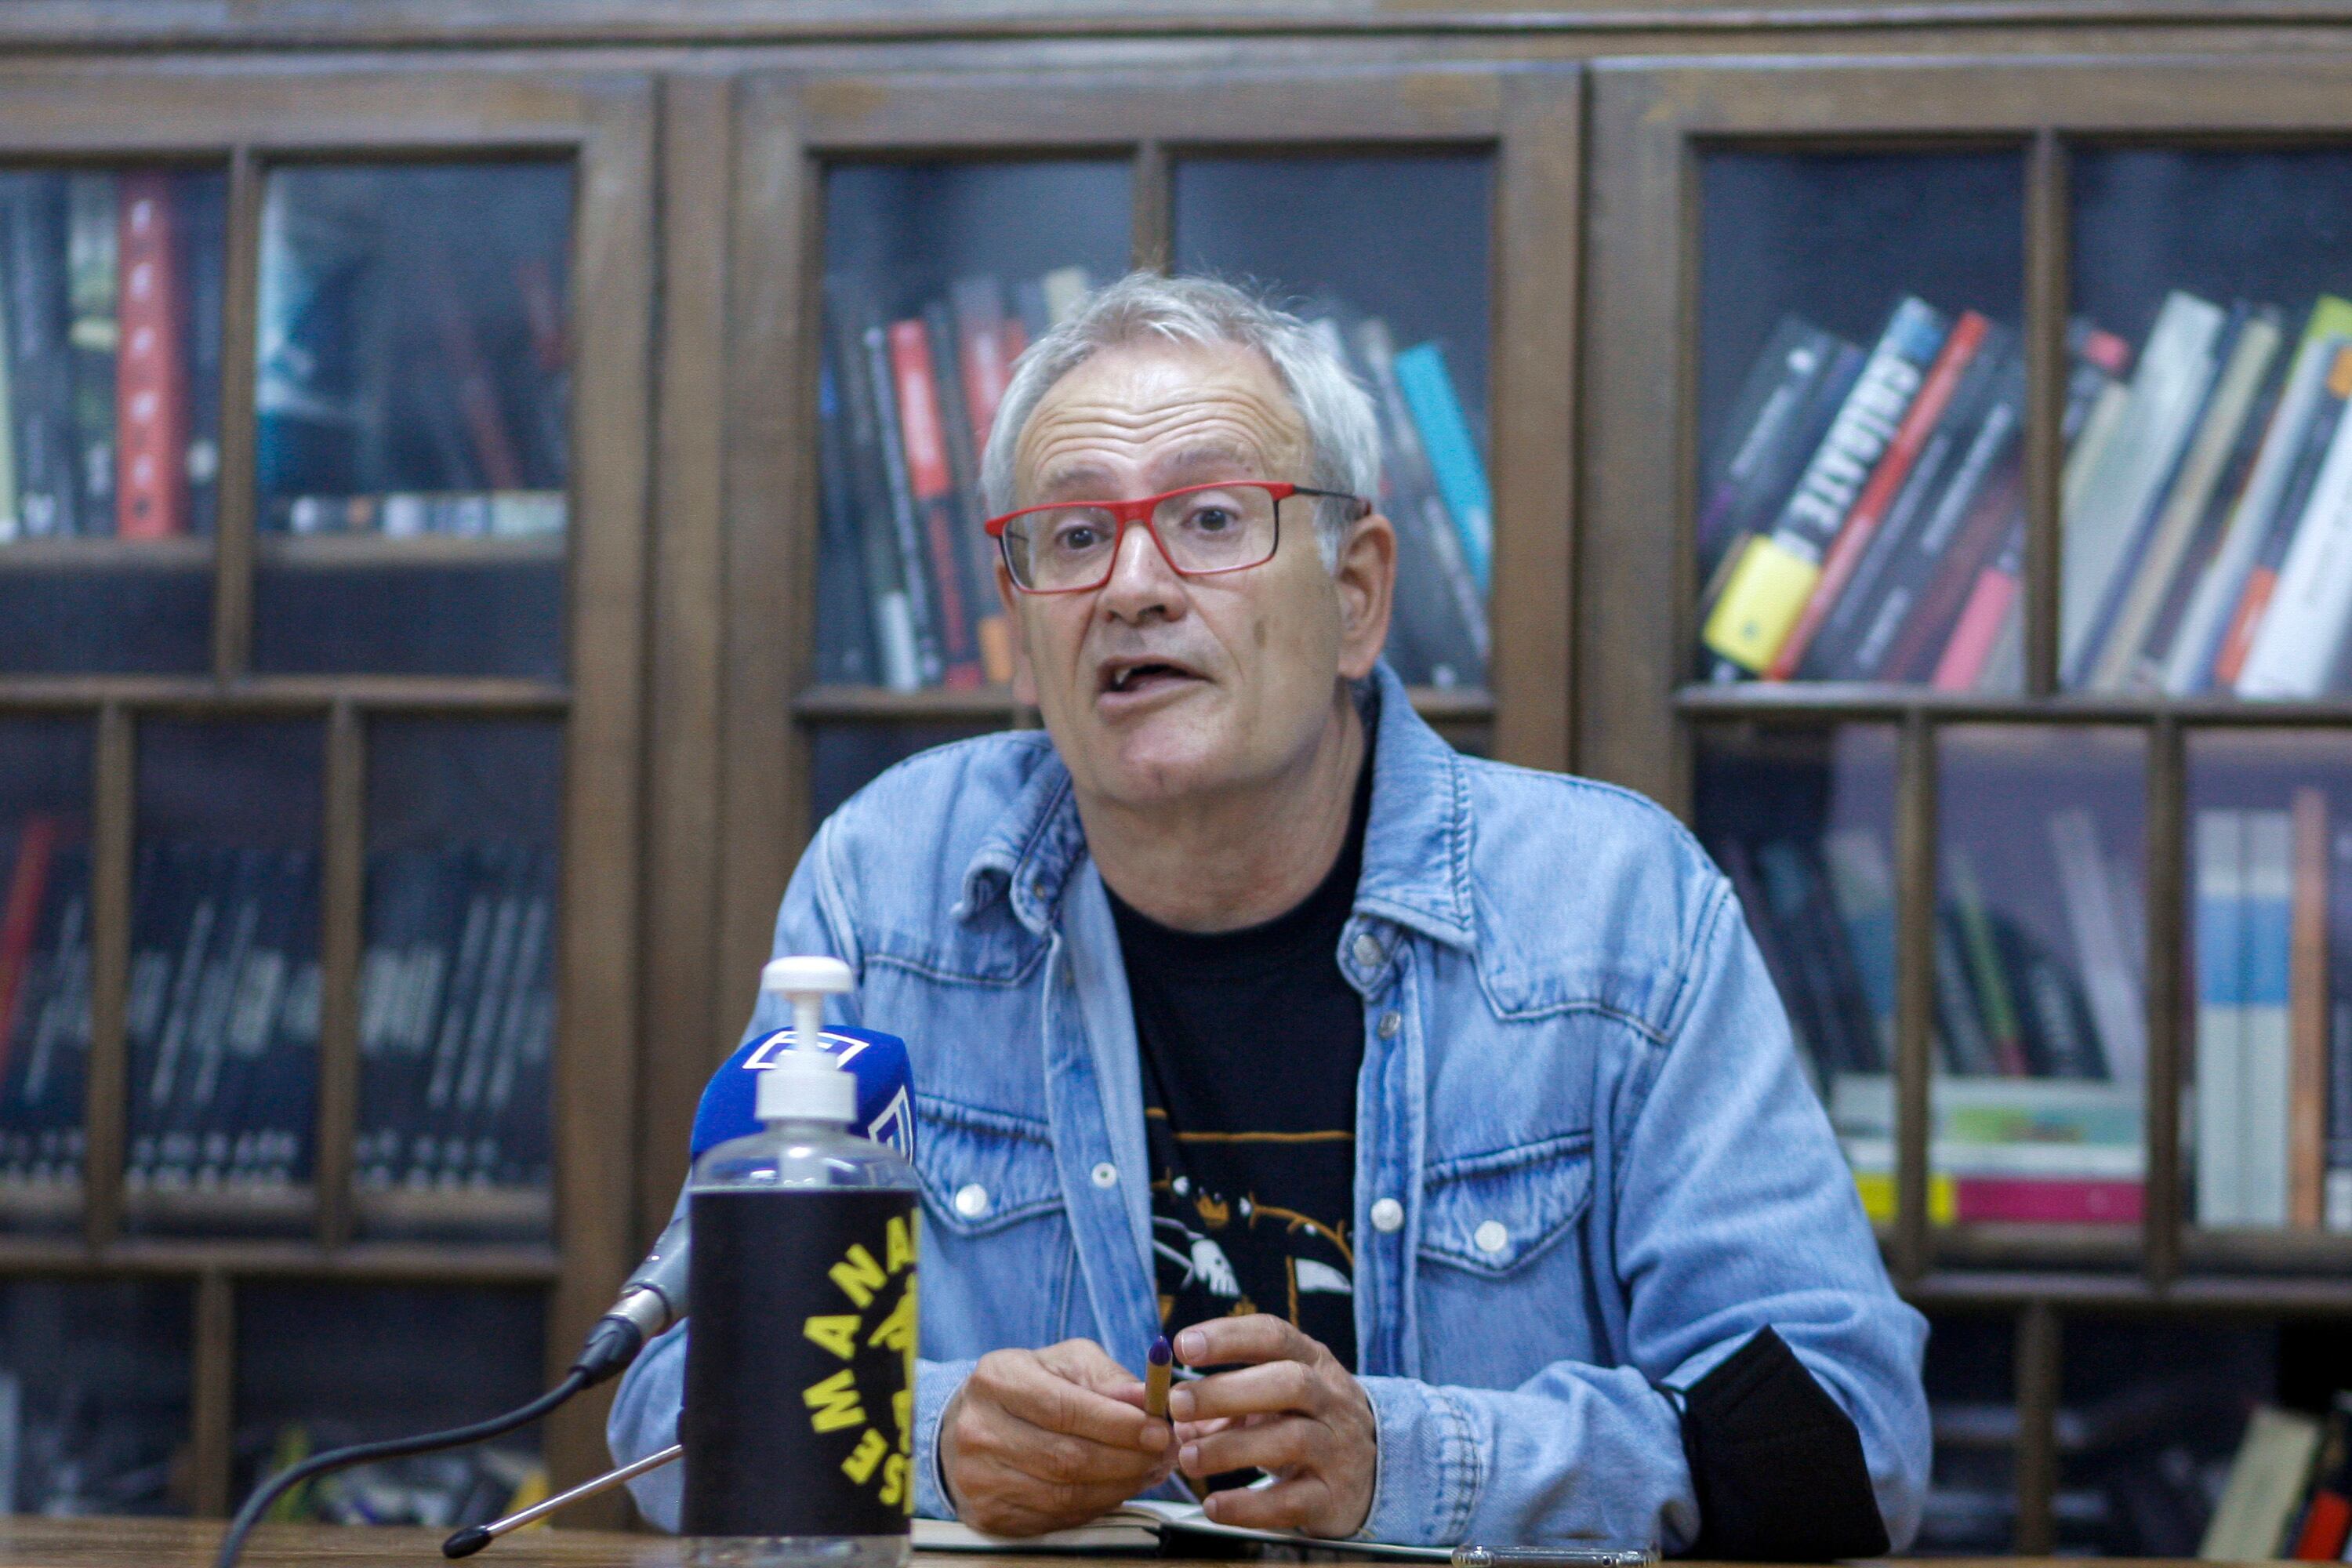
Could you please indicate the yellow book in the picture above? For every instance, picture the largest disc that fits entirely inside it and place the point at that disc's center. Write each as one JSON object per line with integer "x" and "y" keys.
{"x": 1765, "y": 595}
{"x": 1878, "y": 1189}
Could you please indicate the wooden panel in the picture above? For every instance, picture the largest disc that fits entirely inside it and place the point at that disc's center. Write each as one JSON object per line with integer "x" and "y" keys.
{"x": 2046, "y": 262}
{"x": 1537, "y": 285}
{"x": 233, "y": 552}
{"x": 212, "y": 1401}
{"x": 295, "y": 108}
{"x": 284, "y": 696}
{"x": 686, "y": 858}
{"x": 1632, "y": 615}
{"x": 1180, "y": 109}
{"x": 1152, "y": 195}
{"x": 1915, "y": 1000}
{"x": 594, "y": 1123}
{"x": 342, "y": 891}
{"x": 2037, "y": 1366}
{"x": 2169, "y": 997}
{"x": 113, "y": 812}
{"x": 771, "y": 528}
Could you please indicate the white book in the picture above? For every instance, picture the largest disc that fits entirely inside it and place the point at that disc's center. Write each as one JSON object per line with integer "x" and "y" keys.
{"x": 2266, "y": 1072}
{"x": 2173, "y": 369}
{"x": 2098, "y": 929}
{"x": 2295, "y": 647}
{"x": 2220, "y": 861}
{"x": 2208, "y": 614}
{"x": 1143, "y": 1524}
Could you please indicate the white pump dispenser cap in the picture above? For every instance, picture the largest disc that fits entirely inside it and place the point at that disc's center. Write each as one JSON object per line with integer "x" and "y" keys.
{"x": 806, "y": 1082}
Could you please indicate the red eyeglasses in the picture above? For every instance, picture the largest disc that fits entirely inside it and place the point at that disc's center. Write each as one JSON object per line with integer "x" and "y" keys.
{"x": 1068, "y": 547}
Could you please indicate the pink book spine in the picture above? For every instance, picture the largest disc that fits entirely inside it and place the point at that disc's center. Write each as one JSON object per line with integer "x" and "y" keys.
{"x": 1974, "y": 633}
{"x": 2047, "y": 1200}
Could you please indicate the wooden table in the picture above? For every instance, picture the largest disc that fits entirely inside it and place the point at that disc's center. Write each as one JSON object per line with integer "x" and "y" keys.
{"x": 28, "y": 1543}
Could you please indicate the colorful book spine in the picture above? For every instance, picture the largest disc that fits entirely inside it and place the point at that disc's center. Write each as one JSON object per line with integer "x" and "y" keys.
{"x": 1763, "y": 430}
{"x": 2219, "y": 893}
{"x": 92, "y": 274}
{"x": 1863, "y": 521}
{"x": 2296, "y": 497}
{"x": 2306, "y": 1130}
{"x": 1991, "y": 600}
{"x": 1448, "y": 620}
{"x": 40, "y": 358}
{"x": 2336, "y": 1188}
{"x": 2266, "y": 1057}
{"x": 1445, "y": 436}
{"x": 931, "y": 485}
{"x": 897, "y": 639}
{"x": 2096, "y": 923}
{"x": 2300, "y": 643}
{"x": 150, "y": 371}
{"x": 906, "y": 525}
{"x": 984, "y": 352}
{"x": 975, "y": 551}
{"x": 1770, "y": 583}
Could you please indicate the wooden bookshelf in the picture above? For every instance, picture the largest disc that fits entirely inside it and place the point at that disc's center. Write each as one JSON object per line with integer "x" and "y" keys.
{"x": 702, "y": 138}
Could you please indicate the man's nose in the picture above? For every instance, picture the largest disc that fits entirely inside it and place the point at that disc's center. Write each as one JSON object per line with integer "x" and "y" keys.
{"x": 1141, "y": 582}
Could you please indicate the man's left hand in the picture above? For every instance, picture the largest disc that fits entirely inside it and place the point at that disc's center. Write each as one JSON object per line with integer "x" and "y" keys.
{"x": 1290, "y": 1410}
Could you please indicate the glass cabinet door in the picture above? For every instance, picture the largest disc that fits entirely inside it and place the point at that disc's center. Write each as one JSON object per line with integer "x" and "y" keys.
{"x": 412, "y": 386}
{"x": 2204, "y": 516}
{"x": 1391, "y": 256}
{"x": 1860, "y": 509}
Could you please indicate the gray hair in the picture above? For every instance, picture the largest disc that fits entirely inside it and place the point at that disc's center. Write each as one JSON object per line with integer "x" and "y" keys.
{"x": 1343, "y": 434}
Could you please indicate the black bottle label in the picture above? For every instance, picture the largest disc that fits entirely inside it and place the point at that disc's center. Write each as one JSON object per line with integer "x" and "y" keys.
{"x": 800, "y": 1363}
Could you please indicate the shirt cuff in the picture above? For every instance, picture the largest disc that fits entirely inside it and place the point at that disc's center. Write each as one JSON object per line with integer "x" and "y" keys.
{"x": 1428, "y": 1473}
{"x": 936, "y": 1382}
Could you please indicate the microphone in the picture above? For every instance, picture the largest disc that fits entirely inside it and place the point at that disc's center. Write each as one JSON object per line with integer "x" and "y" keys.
{"x": 654, "y": 1297}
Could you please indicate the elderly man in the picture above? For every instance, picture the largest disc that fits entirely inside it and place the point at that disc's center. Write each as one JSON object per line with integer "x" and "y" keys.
{"x": 1443, "y": 1109}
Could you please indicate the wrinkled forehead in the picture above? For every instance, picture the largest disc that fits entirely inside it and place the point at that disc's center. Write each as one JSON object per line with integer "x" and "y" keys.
{"x": 1160, "y": 415}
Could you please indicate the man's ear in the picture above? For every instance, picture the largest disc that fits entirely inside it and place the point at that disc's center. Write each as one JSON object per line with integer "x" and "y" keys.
{"x": 1024, "y": 678}
{"x": 1365, "y": 576}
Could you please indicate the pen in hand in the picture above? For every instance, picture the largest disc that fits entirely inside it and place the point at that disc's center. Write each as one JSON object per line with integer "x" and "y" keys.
{"x": 1158, "y": 1361}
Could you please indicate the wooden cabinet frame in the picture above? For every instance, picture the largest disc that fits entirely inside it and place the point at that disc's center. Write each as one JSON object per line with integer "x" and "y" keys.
{"x": 244, "y": 122}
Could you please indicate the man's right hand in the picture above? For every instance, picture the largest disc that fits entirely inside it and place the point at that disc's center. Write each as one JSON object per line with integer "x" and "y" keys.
{"x": 1040, "y": 1440}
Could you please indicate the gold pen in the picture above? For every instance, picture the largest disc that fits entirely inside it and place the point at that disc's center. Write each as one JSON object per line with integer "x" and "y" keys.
{"x": 1159, "y": 1362}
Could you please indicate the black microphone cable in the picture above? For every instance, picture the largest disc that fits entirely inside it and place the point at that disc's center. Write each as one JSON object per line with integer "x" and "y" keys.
{"x": 612, "y": 1345}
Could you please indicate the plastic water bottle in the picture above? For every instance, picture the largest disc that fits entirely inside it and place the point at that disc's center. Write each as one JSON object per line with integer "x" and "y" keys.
{"x": 800, "y": 1370}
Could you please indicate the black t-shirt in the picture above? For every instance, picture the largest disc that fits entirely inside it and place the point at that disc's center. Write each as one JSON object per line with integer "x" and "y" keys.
{"x": 1251, "y": 1043}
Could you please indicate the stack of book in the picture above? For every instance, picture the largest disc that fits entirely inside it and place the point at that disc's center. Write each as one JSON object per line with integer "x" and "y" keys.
{"x": 905, "y": 403}
{"x": 457, "y": 1018}
{"x": 109, "y": 383}
{"x": 2209, "y": 524}
{"x": 2040, "y": 1049}
{"x": 1864, "y": 517}
{"x": 411, "y": 378}
{"x": 2273, "y": 1020}
{"x": 45, "y": 956}
{"x": 221, "y": 1030}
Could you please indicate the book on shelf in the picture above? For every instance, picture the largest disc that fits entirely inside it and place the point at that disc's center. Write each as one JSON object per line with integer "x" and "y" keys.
{"x": 457, "y": 1014}
{"x": 45, "y": 975}
{"x": 1770, "y": 581}
{"x": 111, "y": 308}
{"x": 2264, "y": 1492}
{"x": 2028, "y": 1150}
{"x": 907, "y": 400}
{"x": 2274, "y": 1042}
{"x": 1864, "y": 519}
{"x": 221, "y": 1032}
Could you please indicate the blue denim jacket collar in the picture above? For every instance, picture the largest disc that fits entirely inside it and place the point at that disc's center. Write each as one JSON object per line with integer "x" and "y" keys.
{"x": 1416, "y": 870}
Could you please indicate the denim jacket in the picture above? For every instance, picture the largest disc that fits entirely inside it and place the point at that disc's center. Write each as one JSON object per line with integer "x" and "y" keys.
{"x": 1587, "y": 1163}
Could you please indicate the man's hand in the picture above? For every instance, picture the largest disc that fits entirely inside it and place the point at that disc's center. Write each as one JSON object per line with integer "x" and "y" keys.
{"x": 1040, "y": 1440}
{"x": 1293, "y": 1412}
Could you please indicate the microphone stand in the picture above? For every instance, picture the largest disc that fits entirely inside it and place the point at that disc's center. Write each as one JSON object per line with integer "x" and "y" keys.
{"x": 474, "y": 1536}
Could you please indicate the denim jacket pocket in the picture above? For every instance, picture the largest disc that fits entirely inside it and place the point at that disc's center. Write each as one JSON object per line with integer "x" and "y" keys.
{"x": 1490, "y": 1214}
{"x": 982, "y": 1170}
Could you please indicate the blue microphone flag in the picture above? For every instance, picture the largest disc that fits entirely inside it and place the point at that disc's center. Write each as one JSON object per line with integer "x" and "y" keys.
{"x": 885, "y": 1087}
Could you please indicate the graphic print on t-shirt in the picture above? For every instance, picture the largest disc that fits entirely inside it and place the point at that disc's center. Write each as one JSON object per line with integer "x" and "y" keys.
{"x": 1224, "y": 1247}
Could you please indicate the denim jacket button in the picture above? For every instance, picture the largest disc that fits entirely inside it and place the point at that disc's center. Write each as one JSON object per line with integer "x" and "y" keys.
{"x": 1491, "y": 1237}
{"x": 1390, "y": 1022}
{"x": 1368, "y": 950}
{"x": 1105, "y": 1174}
{"x": 972, "y": 1201}
{"x": 1387, "y": 1214}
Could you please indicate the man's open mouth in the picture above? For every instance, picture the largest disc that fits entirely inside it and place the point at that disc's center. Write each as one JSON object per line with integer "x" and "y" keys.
{"x": 1124, "y": 676}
